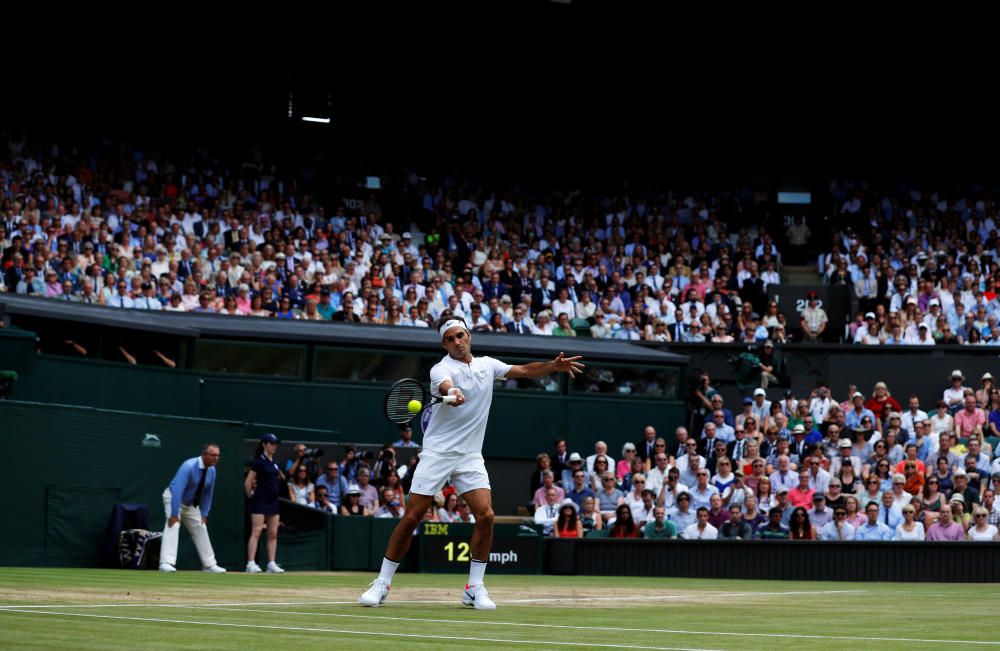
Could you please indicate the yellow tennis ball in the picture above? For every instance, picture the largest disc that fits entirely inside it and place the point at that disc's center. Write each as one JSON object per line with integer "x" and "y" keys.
{"x": 414, "y": 406}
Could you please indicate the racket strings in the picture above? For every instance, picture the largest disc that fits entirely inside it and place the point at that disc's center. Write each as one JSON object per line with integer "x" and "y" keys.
{"x": 397, "y": 402}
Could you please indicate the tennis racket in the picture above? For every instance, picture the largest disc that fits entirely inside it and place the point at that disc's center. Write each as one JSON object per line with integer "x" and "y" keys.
{"x": 397, "y": 400}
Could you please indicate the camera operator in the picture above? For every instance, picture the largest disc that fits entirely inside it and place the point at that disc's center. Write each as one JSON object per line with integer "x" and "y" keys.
{"x": 350, "y": 465}
{"x": 385, "y": 464}
{"x": 304, "y": 456}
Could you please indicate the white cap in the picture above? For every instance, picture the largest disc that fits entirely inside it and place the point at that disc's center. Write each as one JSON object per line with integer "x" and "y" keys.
{"x": 870, "y": 315}
{"x": 406, "y": 236}
{"x": 759, "y": 392}
{"x": 858, "y": 394}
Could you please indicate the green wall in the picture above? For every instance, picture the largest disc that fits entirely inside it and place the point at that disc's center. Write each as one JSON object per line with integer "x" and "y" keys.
{"x": 75, "y": 463}
{"x": 522, "y": 424}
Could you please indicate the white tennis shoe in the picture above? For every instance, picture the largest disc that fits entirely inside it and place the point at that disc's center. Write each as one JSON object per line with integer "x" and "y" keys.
{"x": 272, "y": 568}
{"x": 253, "y": 568}
{"x": 376, "y": 594}
{"x": 477, "y": 597}
{"x": 214, "y": 569}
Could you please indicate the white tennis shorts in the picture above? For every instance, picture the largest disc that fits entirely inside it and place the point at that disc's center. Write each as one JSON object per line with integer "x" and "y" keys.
{"x": 466, "y": 471}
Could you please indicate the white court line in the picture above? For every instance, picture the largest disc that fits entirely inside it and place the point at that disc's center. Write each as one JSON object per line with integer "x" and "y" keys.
{"x": 617, "y": 628}
{"x": 703, "y": 595}
{"x": 345, "y": 632}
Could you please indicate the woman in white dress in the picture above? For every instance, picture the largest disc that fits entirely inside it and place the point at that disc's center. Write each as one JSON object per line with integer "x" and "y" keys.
{"x": 909, "y": 528}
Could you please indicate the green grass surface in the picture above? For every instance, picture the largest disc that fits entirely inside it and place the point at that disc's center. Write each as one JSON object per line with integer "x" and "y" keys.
{"x": 108, "y": 609}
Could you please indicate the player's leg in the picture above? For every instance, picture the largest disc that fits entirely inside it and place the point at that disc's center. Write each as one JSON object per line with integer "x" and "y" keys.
{"x": 399, "y": 543}
{"x": 257, "y": 526}
{"x": 428, "y": 478}
{"x": 480, "y": 503}
{"x": 473, "y": 485}
{"x": 402, "y": 535}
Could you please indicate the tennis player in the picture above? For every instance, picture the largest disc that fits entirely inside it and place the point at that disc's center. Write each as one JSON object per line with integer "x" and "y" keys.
{"x": 453, "y": 448}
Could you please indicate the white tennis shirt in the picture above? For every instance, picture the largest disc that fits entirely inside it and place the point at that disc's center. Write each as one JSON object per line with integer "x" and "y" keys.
{"x": 462, "y": 429}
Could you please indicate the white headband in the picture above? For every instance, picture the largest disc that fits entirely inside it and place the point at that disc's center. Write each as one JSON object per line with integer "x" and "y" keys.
{"x": 451, "y": 323}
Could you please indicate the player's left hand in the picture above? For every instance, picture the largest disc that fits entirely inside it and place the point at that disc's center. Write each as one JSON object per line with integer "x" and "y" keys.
{"x": 204, "y": 521}
{"x": 568, "y": 364}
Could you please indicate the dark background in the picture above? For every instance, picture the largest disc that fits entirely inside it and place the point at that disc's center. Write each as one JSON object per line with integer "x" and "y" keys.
{"x": 588, "y": 91}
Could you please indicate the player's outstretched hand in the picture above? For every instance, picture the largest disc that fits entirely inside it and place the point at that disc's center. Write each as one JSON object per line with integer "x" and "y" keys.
{"x": 569, "y": 364}
{"x": 460, "y": 397}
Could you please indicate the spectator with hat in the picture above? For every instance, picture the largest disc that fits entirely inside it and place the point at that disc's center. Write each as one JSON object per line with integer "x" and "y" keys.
{"x": 352, "y": 503}
{"x": 820, "y": 514}
{"x": 568, "y": 524}
{"x": 406, "y": 437}
{"x": 761, "y": 406}
{"x": 845, "y": 457}
{"x": 573, "y": 463}
{"x": 263, "y": 485}
{"x": 954, "y": 395}
{"x": 969, "y": 494}
{"x": 854, "y": 416}
{"x": 147, "y": 300}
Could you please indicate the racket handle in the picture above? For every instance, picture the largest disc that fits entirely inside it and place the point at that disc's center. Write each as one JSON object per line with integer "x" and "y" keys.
{"x": 449, "y": 399}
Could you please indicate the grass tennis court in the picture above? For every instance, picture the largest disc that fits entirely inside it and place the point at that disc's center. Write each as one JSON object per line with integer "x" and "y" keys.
{"x": 108, "y": 609}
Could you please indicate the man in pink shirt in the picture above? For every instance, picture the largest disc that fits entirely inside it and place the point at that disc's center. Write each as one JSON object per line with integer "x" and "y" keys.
{"x": 548, "y": 481}
{"x": 970, "y": 419}
{"x": 945, "y": 528}
{"x": 801, "y": 495}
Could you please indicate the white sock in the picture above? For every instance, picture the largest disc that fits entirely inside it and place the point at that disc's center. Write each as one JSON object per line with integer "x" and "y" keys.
{"x": 388, "y": 569}
{"x": 477, "y": 571}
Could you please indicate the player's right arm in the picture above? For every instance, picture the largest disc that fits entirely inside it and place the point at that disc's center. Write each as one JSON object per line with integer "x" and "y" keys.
{"x": 442, "y": 385}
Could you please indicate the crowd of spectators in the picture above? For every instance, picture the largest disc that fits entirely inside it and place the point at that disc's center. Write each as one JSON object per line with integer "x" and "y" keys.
{"x": 922, "y": 266}
{"x": 134, "y": 229}
{"x": 865, "y": 468}
{"x": 362, "y": 484}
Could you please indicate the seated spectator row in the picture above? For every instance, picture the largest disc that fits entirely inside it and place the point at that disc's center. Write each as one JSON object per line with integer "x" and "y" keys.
{"x": 922, "y": 266}
{"x": 810, "y": 459}
{"x": 194, "y": 233}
